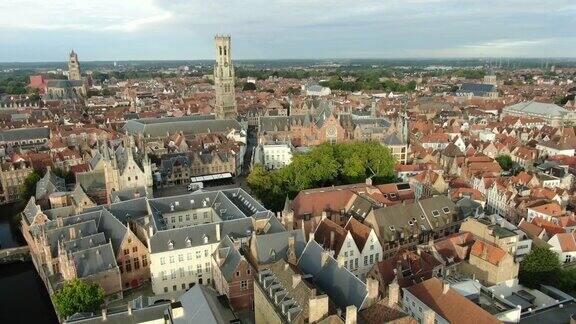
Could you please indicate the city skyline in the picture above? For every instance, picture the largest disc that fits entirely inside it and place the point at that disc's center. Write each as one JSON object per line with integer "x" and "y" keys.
{"x": 184, "y": 30}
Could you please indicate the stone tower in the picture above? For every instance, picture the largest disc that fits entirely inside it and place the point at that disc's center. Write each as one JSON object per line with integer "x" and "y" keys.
{"x": 73, "y": 67}
{"x": 225, "y": 105}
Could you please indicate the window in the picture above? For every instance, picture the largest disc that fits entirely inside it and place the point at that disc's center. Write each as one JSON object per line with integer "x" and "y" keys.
{"x": 165, "y": 289}
{"x": 189, "y": 255}
{"x": 243, "y": 285}
{"x": 371, "y": 258}
{"x": 194, "y": 216}
{"x": 163, "y": 275}
{"x": 144, "y": 261}
{"x": 180, "y": 257}
{"x": 237, "y": 273}
{"x": 365, "y": 260}
{"x": 183, "y": 286}
{"x": 126, "y": 251}
{"x": 568, "y": 258}
{"x": 162, "y": 260}
{"x": 205, "y": 253}
{"x": 128, "y": 265}
{"x": 356, "y": 263}
{"x": 136, "y": 263}
{"x": 174, "y": 288}
{"x": 435, "y": 213}
{"x": 372, "y": 247}
{"x": 187, "y": 217}
{"x": 346, "y": 264}
{"x": 446, "y": 210}
{"x": 248, "y": 271}
{"x": 173, "y": 219}
{"x": 198, "y": 254}
{"x": 199, "y": 269}
{"x": 181, "y": 272}
{"x": 180, "y": 218}
{"x": 205, "y": 215}
{"x": 173, "y": 273}
{"x": 135, "y": 249}
{"x": 207, "y": 266}
{"x": 377, "y": 257}
{"x": 172, "y": 259}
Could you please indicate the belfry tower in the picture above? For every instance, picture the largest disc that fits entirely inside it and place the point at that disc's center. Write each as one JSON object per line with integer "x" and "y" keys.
{"x": 225, "y": 105}
{"x": 73, "y": 67}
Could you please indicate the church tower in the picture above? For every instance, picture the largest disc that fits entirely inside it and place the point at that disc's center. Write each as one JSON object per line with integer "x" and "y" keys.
{"x": 73, "y": 67}
{"x": 225, "y": 105}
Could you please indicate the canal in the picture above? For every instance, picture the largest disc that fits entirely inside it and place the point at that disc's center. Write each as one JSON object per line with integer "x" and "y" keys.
{"x": 23, "y": 297}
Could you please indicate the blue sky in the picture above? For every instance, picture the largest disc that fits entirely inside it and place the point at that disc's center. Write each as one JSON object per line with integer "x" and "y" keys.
{"x": 33, "y": 30}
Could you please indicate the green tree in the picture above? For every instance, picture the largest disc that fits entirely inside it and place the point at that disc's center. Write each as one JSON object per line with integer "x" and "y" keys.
{"x": 78, "y": 296}
{"x": 29, "y": 186}
{"x": 68, "y": 176}
{"x": 505, "y": 162}
{"x": 249, "y": 86}
{"x": 324, "y": 165}
{"x": 541, "y": 266}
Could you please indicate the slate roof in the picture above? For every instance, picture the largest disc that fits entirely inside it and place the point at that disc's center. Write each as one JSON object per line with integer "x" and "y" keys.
{"x": 273, "y": 247}
{"x": 49, "y": 184}
{"x": 536, "y": 108}
{"x": 20, "y": 134}
{"x": 343, "y": 287}
{"x": 94, "y": 260}
{"x": 183, "y": 237}
{"x": 231, "y": 258}
{"x": 477, "y": 89}
{"x": 202, "y": 305}
{"x": 190, "y": 125}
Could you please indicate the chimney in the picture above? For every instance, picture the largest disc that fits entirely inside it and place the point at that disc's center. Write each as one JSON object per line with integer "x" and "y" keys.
{"x": 351, "y": 314}
{"x": 72, "y": 233}
{"x": 341, "y": 262}
{"x": 325, "y": 257}
{"x": 292, "y": 250}
{"x": 317, "y": 308}
{"x": 296, "y": 279}
{"x": 59, "y": 221}
{"x": 324, "y": 214}
{"x": 369, "y": 181}
{"x": 445, "y": 287}
{"x": 332, "y": 235}
{"x": 372, "y": 290}
{"x": 393, "y": 293}
{"x": 177, "y": 310}
{"x": 217, "y": 232}
{"x": 129, "y": 309}
{"x": 104, "y": 317}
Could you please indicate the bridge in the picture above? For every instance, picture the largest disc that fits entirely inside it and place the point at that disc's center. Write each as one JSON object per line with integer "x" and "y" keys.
{"x": 15, "y": 254}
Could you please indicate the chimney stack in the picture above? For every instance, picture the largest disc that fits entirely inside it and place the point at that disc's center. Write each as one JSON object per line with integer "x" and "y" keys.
{"x": 445, "y": 287}
{"x": 372, "y": 289}
{"x": 104, "y": 315}
{"x": 393, "y": 293}
{"x": 317, "y": 308}
{"x": 129, "y": 309}
{"x": 325, "y": 257}
{"x": 332, "y": 238}
{"x": 351, "y": 314}
{"x": 217, "y": 232}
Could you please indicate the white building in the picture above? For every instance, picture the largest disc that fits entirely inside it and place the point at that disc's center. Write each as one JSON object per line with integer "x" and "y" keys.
{"x": 564, "y": 244}
{"x": 316, "y": 90}
{"x": 182, "y": 257}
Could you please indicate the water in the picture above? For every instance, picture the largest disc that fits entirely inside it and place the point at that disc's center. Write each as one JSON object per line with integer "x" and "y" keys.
{"x": 23, "y": 297}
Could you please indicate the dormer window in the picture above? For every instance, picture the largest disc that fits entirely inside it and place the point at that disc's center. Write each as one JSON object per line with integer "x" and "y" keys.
{"x": 435, "y": 213}
{"x": 188, "y": 242}
{"x": 392, "y": 228}
{"x": 446, "y": 210}
{"x": 205, "y": 238}
{"x": 171, "y": 207}
{"x": 422, "y": 216}
{"x": 170, "y": 245}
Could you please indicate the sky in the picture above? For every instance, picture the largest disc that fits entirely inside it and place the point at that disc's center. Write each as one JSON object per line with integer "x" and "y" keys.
{"x": 35, "y": 30}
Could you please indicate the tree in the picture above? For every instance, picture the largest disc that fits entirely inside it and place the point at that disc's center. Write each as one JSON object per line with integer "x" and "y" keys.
{"x": 541, "y": 266}
{"x": 505, "y": 162}
{"x": 29, "y": 186}
{"x": 324, "y": 165}
{"x": 77, "y": 296}
{"x": 249, "y": 86}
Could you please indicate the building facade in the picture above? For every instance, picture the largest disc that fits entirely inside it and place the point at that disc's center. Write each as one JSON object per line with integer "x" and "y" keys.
{"x": 225, "y": 105}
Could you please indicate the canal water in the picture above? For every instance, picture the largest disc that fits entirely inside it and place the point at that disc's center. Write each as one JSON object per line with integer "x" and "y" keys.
{"x": 23, "y": 297}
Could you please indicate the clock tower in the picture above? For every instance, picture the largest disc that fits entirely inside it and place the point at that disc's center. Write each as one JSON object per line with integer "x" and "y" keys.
{"x": 225, "y": 104}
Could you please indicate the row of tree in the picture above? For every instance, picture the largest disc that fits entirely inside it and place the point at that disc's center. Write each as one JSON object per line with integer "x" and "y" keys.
{"x": 368, "y": 81}
{"x": 324, "y": 165}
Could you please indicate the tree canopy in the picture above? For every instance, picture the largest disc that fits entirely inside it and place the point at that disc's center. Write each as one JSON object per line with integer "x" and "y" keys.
{"x": 505, "y": 162}
{"x": 78, "y": 296}
{"x": 29, "y": 186}
{"x": 541, "y": 266}
{"x": 324, "y": 165}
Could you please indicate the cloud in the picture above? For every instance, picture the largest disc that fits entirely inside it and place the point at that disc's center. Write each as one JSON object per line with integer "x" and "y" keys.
{"x": 82, "y": 15}
{"x": 287, "y": 28}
